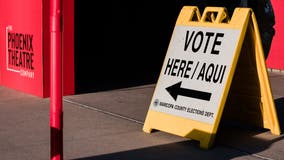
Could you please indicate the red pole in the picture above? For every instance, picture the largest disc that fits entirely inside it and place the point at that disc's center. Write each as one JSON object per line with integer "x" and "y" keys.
{"x": 56, "y": 112}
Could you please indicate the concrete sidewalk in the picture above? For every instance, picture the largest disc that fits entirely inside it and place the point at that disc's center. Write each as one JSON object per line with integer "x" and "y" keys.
{"x": 108, "y": 126}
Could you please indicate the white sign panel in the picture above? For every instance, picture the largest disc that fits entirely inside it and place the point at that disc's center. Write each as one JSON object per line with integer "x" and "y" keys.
{"x": 195, "y": 71}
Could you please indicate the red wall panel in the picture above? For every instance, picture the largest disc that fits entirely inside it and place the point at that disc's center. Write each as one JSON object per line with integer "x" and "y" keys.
{"x": 24, "y": 46}
{"x": 275, "y": 58}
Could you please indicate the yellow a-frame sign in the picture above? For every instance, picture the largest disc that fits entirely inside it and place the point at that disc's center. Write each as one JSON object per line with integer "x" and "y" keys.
{"x": 214, "y": 68}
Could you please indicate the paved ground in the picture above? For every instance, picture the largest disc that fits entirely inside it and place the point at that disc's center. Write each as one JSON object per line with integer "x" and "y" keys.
{"x": 108, "y": 126}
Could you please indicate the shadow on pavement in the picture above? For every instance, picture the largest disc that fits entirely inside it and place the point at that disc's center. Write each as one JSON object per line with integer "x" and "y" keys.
{"x": 231, "y": 143}
{"x": 180, "y": 150}
{"x": 190, "y": 150}
{"x": 251, "y": 140}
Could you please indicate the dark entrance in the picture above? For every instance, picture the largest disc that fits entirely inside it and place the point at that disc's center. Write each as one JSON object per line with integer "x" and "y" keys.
{"x": 120, "y": 43}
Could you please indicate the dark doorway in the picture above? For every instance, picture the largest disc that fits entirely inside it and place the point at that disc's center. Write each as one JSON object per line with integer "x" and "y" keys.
{"x": 121, "y": 43}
